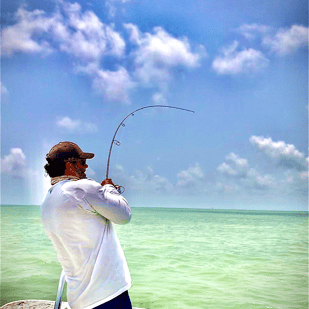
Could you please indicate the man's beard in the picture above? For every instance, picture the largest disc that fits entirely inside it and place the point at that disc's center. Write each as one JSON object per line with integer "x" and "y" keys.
{"x": 81, "y": 174}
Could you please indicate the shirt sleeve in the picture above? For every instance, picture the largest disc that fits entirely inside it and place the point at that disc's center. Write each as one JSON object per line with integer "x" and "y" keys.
{"x": 105, "y": 200}
{"x": 111, "y": 205}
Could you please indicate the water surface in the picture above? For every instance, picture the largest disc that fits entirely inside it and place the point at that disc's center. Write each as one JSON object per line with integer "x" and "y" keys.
{"x": 178, "y": 258}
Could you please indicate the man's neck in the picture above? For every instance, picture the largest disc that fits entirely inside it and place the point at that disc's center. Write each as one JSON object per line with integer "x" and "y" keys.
{"x": 57, "y": 179}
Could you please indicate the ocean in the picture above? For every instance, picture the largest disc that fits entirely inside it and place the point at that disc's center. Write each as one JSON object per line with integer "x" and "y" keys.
{"x": 178, "y": 258}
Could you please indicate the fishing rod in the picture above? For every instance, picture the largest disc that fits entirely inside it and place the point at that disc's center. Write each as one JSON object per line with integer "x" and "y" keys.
{"x": 114, "y": 141}
{"x": 60, "y": 291}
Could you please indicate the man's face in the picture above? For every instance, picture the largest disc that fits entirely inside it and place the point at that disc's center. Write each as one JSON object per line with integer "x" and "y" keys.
{"x": 80, "y": 168}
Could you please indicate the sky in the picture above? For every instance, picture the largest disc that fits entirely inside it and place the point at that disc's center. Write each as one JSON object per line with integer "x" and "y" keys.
{"x": 73, "y": 70}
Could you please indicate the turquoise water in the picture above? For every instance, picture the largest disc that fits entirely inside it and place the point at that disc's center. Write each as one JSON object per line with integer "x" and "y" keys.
{"x": 178, "y": 258}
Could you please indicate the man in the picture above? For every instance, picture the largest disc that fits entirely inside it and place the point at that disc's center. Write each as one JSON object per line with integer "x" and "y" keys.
{"x": 77, "y": 215}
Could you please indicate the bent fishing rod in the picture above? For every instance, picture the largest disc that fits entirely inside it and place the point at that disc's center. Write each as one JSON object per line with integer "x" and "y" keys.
{"x": 114, "y": 141}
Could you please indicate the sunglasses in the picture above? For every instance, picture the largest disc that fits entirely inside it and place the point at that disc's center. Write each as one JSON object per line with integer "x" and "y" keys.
{"x": 75, "y": 160}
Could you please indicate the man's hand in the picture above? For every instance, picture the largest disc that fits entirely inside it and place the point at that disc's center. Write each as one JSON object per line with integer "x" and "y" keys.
{"x": 107, "y": 181}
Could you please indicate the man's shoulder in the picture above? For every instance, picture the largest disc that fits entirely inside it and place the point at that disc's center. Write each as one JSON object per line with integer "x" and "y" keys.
{"x": 84, "y": 184}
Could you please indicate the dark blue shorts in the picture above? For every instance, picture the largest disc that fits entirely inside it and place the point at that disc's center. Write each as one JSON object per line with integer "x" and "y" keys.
{"x": 120, "y": 302}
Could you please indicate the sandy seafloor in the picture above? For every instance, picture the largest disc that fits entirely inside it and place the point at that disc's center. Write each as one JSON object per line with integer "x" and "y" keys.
{"x": 178, "y": 258}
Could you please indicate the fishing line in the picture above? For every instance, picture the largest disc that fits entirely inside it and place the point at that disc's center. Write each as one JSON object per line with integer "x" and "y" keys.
{"x": 122, "y": 124}
{"x": 117, "y": 156}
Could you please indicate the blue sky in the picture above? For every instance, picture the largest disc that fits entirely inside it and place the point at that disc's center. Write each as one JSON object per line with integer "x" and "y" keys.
{"x": 73, "y": 70}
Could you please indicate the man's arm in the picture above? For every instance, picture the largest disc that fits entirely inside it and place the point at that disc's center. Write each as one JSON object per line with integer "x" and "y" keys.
{"x": 107, "y": 201}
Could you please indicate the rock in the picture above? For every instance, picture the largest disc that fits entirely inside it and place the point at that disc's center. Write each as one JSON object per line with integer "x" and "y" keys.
{"x": 36, "y": 304}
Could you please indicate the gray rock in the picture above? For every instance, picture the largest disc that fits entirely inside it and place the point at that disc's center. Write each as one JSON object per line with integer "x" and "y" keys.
{"x": 36, "y": 304}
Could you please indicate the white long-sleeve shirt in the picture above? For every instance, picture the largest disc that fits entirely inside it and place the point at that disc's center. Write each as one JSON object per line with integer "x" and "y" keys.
{"x": 77, "y": 216}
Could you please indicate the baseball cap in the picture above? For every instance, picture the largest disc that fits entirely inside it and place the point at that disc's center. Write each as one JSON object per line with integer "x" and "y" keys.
{"x": 66, "y": 150}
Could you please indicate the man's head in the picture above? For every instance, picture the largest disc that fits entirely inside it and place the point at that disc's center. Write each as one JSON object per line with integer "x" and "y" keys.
{"x": 66, "y": 158}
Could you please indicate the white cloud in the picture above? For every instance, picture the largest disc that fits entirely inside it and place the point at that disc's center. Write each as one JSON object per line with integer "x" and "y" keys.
{"x": 159, "y": 98}
{"x": 190, "y": 178}
{"x": 240, "y": 166}
{"x": 3, "y": 89}
{"x": 114, "y": 85}
{"x": 225, "y": 168}
{"x": 14, "y": 164}
{"x": 68, "y": 123}
{"x": 232, "y": 62}
{"x": 76, "y": 125}
{"x": 256, "y": 180}
{"x": 142, "y": 180}
{"x": 250, "y": 31}
{"x": 154, "y": 56}
{"x": 85, "y": 36}
{"x": 158, "y": 53}
{"x": 285, "y": 154}
{"x": 19, "y": 37}
{"x": 295, "y": 182}
{"x": 88, "y": 41}
{"x": 239, "y": 177}
{"x": 287, "y": 41}
{"x": 280, "y": 41}
{"x": 134, "y": 33}
{"x": 241, "y": 174}
{"x": 226, "y": 188}
{"x": 4, "y": 94}
{"x": 74, "y": 32}
{"x": 111, "y": 6}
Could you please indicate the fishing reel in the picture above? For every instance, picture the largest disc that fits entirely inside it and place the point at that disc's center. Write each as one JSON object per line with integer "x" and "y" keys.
{"x": 120, "y": 189}
{"x": 108, "y": 181}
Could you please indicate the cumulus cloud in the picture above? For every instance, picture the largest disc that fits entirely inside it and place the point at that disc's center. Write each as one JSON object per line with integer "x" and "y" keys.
{"x": 225, "y": 168}
{"x": 287, "y": 41}
{"x": 240, "y": 166}
{"x": 232, "y": 62}
{"x": 295, "y": 182}
{"x": 251, "y": 31}
{"x": 72, "y": 125}
{"x": 88, "y": 41}
{"x": 114, "y": 85}
{"x": 85, "y": 36}
{"x": 236, "y": 166}
{"x": 142, "y": 180}
{"x": 286, "y": 155}
{"x": 236, "y": 175}
{"x": 191, "y": 177}
{"x": 14, "y": 164}
{"x": 158, "y": 52}
{"x": 74, "y": 32}
{"x": 256, "y": 180}
{"x": 78, "y": 34}
{"x": 242, "y": 175}
{"x": 281, "y": 41}
{"x": 20, "y": 37}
